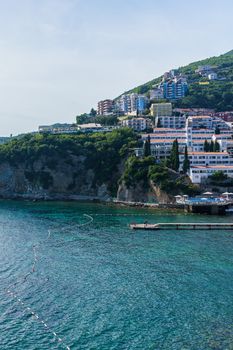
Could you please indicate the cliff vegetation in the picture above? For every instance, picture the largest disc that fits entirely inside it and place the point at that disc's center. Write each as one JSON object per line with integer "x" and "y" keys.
{"x": 52, "y": 166}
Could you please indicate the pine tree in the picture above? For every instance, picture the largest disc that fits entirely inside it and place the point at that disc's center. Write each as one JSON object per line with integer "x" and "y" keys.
{"x": 216, "y": 146}
{"x": 186, "y": 163}
{"x": 217, "y": 130}
{"x": 211, "y": 148}
{"x": 174, "y": 158}
{"x": 159, "y": 125}
{"x": 93, "y": 112}
{"x": 206, "y": 146}
{"x": 147, "y": 148}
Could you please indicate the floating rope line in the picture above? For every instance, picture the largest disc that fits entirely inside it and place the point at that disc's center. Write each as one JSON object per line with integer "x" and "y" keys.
{"x": 24, "y": 279}
{"x": 30, "y": 311}
{"x": 61, "y": 242}
{"x": 87, "y": 223}
{"x": 79, "y": 225}
{"x": 35, "y": 260}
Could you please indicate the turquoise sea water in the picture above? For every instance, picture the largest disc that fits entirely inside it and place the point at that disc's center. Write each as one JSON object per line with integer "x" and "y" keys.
{"x": 102, "y": 286}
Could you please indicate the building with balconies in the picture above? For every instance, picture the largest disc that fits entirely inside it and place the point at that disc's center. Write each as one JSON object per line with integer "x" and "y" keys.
{"x": 105, "y": 107}
{"x": 137, "y": 124}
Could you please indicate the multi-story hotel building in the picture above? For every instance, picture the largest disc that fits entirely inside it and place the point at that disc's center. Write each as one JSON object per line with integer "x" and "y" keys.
{"x": 105, "y": 107}
{"x": 197, "y": 130}
{"x": 130, "y": 103}
{"x": 199, "y": 174}
{"x": 173, "y": 122}
{"x": 175, "y": 88}
{"x": 137, "y": 124}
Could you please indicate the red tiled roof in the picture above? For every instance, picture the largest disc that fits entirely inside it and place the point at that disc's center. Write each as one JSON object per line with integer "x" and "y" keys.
{"x": 213, "y": 167}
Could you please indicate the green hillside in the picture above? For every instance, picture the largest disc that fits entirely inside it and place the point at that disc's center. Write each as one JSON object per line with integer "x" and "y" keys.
{"x": 217, "y": 94}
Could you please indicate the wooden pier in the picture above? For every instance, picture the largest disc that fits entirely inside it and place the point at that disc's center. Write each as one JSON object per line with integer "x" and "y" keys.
{"x": 182, "y": 226}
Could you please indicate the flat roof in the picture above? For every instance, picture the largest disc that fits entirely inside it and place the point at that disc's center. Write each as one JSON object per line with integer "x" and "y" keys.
{"x": 207, "y": 153}
{"x": 201, "y": 117}
{"x": 167, "y": 140}
{"x": 169, "y": 135}
{"x": 172, "y": 129}
{"x": 90, "y": 125}
{"x": 136, "y": 118}
{"x": 227, "y": 134}
{"x": 204, "y": 134}
{"x": 203, "y": 129}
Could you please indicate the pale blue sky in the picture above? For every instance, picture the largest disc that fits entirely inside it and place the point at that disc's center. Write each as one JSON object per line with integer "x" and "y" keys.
{"x": 59, "y": 57}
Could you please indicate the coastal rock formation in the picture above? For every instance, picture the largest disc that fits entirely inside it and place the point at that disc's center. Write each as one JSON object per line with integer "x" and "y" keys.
{"x": 132, "y": 194}
{"x": 143, "y": 194}
{"x": 76, "y": 167}
{"x": 66, "y": 181}
{"x": 161, "y": 196}
{"x": 97, "y": 166}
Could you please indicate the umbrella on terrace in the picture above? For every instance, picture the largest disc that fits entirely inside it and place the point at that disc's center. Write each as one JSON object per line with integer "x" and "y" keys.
{"x": 227, "y": 194}
{"x": 208, "y": 193}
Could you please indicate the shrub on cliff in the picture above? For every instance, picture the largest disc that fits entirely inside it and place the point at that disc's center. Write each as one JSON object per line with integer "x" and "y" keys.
{"x": 140, "y": 171}
{"x": 136, "y": 171}
{"x": 171, "y": 181}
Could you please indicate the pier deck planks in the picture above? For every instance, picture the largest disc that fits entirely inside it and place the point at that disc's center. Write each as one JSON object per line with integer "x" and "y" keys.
{"x": 182, "y": 226}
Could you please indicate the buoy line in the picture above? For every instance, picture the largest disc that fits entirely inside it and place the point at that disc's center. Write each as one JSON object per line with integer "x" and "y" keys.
{"x": 60, "y": 242}
{"x": 79, "y": 225}
{"x": 31, "y": 312}
{"x": 28, "y": 309}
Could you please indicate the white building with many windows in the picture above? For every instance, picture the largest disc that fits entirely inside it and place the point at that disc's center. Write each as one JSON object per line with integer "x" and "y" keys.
{"x": 173, "y": 122}
{"x": 208, "y": 158}
{"x": 200, "y": 173}
{"x": 197, "y": 130}
{"x": 137, "y": 124}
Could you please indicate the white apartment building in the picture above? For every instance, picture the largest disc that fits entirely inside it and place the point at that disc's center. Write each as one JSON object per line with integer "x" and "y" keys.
{"x": 212, "y": 76}
{"x": 200, "y": 173}
{"x": 137, "y": 124}
{"x": 208, "y": 158}
{"x": 161, "y": 148}
{"x": 156, "y": 94}
{"x": 168, "y": 131}
{"x": 196, "y": 131}
{"x": 129, "y": 103}
{"x": 206, "y": 122}
{"x": 227, "y": 145}
{"x": 165, "y": 136}
{"x": 173, "y": 122}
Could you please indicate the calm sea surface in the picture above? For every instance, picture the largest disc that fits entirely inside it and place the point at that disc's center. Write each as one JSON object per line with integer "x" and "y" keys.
{"x": 67, "y": 281}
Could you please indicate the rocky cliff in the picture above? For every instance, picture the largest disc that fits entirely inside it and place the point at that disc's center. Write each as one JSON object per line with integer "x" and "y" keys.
{"x": 40, "y": 182}
{"x": 78, "y": 167}
{"x": 142, "y": 194}
{"x": 85, "y": 167}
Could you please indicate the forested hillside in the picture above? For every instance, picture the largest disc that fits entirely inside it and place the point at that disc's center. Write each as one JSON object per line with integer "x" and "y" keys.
{"x": 217, "y": 94}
